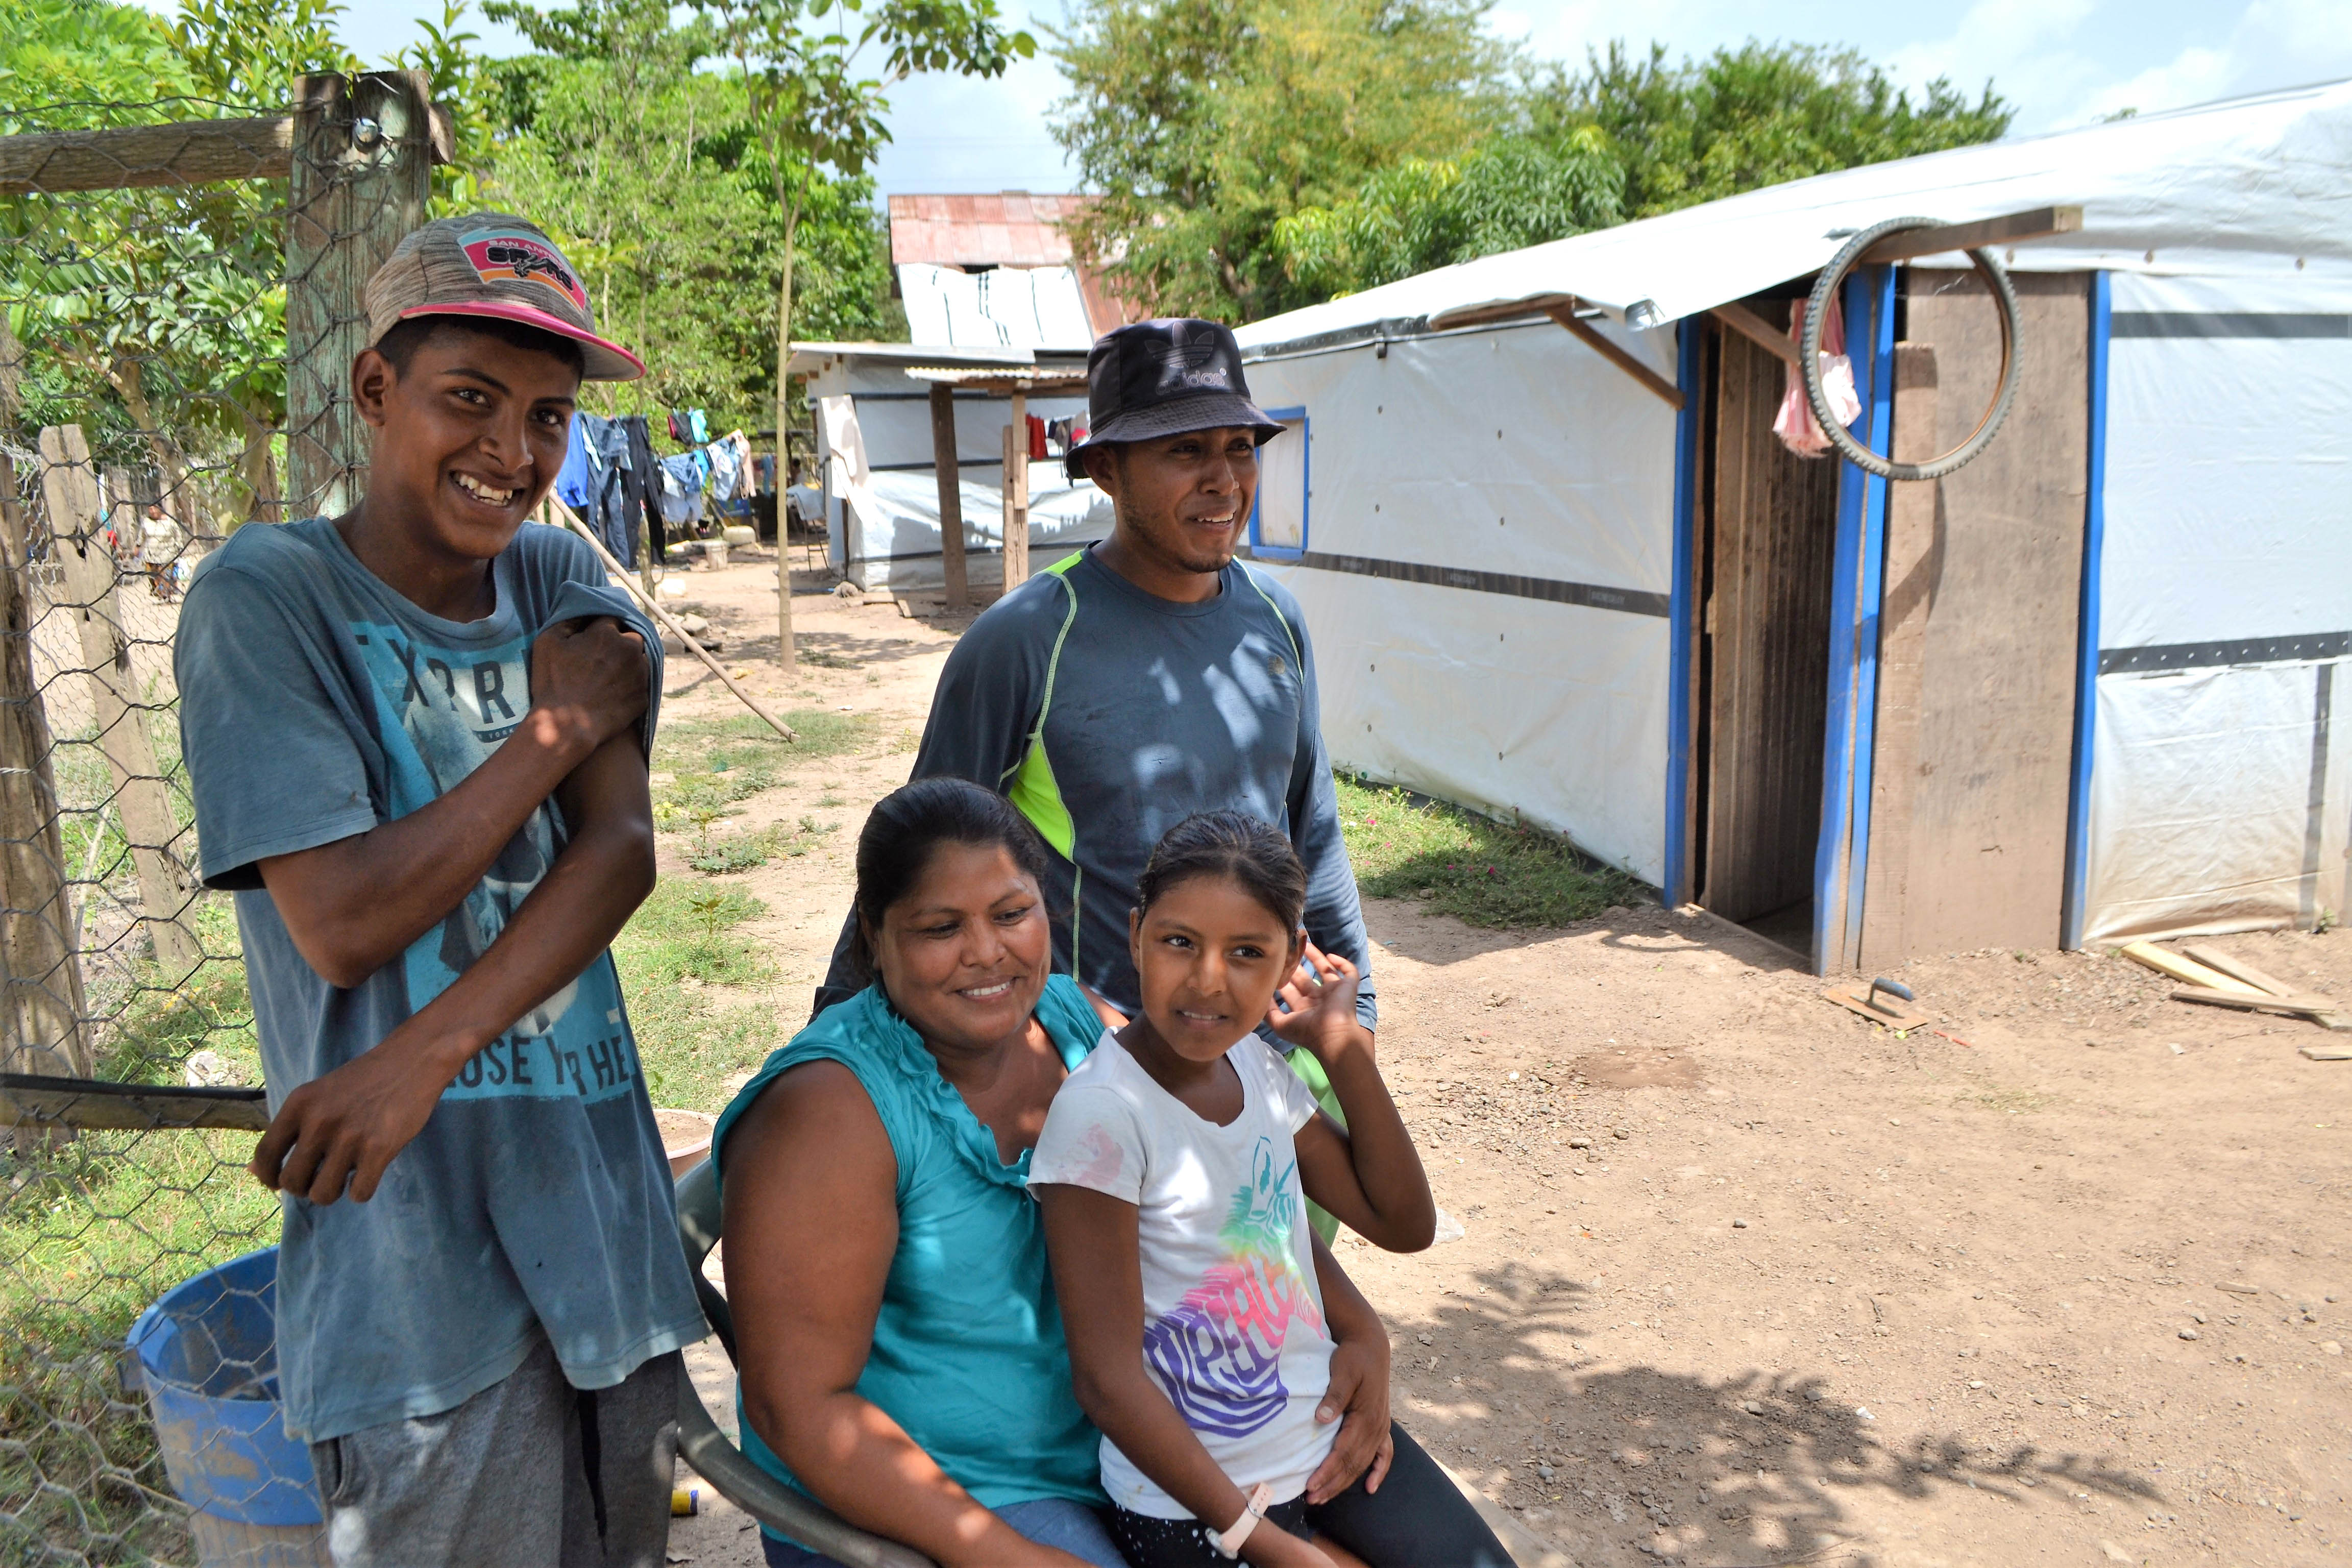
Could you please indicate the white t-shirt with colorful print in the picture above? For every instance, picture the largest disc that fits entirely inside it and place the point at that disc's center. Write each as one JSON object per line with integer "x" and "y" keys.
{"x": 1234, "y": 1328}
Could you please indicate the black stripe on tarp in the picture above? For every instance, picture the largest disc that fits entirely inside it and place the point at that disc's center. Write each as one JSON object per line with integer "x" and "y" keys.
{"x": 2237, "y": 650}
{"x": 2226, "y": 324}
{"x": 1550, "y": 590}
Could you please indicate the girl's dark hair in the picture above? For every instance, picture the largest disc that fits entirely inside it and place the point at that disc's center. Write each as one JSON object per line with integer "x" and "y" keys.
{"x": 908, "y": 825}
{"x": 1236, "y": 847}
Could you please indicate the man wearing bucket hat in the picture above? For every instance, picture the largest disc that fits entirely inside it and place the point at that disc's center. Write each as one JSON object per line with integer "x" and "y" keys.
{"x": 1151, "y": 677}
{"x": 417, "y": 736}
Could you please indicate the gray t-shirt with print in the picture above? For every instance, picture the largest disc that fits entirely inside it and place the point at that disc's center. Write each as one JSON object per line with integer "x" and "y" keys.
{"x": 315, "y": 703}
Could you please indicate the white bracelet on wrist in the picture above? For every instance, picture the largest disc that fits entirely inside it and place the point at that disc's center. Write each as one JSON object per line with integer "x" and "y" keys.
{"x": 1229, "y": 1545}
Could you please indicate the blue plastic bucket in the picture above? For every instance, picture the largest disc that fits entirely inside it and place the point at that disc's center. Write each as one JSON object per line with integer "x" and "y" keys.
{"x": 207, "y": 1356}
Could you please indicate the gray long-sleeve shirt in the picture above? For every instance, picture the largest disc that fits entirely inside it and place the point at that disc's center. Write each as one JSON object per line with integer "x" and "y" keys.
{"x": 1108, "y": 716}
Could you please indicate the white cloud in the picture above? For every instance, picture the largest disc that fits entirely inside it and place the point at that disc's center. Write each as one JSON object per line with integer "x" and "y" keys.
{"x": 2274, "y": 43}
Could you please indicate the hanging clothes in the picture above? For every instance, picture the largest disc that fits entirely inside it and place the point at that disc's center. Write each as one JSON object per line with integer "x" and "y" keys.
{"x": 611, "y": 518}
{"x": 725, "y": 467}
{"x": 575, "y": 481}
{"x": 681, "y": 490}
{"x": 644, "y": 482}
{"x": 689, "y": 427}
{"x": 1794, "y": 424}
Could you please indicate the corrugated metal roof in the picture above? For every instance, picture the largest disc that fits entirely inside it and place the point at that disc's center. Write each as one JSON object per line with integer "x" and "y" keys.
{"x": 1011, "y": 228}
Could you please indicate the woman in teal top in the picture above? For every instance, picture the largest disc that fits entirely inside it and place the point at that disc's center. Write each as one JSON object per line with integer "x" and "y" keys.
{"x": 902, "y": 1358}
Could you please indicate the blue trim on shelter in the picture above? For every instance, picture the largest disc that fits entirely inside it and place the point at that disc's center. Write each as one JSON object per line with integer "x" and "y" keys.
{"x": 1260, "y": 550}
{"x": 1841, "y": 858}
{"x": 2075, "y": 916}
{"x": 1678, "y": 889}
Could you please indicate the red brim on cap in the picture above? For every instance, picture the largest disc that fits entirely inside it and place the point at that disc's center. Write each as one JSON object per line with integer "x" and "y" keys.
{"x": 604, "y": 360}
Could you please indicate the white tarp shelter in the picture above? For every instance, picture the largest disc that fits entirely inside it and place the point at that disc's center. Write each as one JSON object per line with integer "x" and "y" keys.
{"x": 2081, "y": 690}
{"x": 874, "y": 457}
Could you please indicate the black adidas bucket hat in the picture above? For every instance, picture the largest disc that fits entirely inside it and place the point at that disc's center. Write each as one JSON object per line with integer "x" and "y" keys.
{"x": 1150, "y": 379}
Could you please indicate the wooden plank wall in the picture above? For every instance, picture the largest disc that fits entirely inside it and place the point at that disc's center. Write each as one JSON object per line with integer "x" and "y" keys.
{"x": 1983, "y": 592}
{"x": 1772, "y": 522}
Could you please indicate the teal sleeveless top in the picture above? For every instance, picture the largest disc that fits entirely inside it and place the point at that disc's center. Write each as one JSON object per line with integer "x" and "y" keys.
{"x": 968, "y": 1357}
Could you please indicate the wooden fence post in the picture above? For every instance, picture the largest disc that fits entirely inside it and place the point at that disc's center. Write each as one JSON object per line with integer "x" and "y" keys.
{"x": 363, "y": 170}
{"x": 41, "y": 1012}
{"x": 944, "y": 458}
{"x": 1016, "y": 495}
{"x": 69, "y": 487}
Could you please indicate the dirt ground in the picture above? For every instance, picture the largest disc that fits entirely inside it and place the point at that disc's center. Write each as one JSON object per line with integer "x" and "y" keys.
{"x": 1744, "y": 1279}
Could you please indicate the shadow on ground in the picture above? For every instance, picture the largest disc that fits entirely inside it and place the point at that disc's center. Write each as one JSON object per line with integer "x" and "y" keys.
{"x": 1635, "y": 1464}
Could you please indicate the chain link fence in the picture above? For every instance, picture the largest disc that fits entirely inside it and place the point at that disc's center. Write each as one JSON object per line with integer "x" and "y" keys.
{"x": 152, "y": 258}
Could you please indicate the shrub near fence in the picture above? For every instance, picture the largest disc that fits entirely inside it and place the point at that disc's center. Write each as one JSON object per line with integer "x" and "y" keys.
{"x": 178, "y": 305}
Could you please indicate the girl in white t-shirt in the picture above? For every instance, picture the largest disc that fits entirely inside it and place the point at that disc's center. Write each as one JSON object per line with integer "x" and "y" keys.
{"x": 1212, "y": 1337}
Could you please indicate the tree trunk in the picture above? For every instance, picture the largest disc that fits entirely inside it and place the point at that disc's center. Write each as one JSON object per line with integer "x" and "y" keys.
{"x": 256, "y": 469}
{"x": 41, "y": 1003}
{"x": 786, "y": 654}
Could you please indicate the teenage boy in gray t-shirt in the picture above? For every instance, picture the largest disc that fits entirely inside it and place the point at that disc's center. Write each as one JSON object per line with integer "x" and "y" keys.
{"x": 417, "y": 738}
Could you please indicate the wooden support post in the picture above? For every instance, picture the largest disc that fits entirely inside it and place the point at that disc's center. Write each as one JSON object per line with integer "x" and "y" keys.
{"x": 943, "y": 457}
{"x": 787, "y": 653}
{"x": 41, "y": 1008}
{"x": 69, "y": 487}
{"x": 1016, "y": 495}
{"x": 1913, "y": 564}
{"x": 362, "y": 169}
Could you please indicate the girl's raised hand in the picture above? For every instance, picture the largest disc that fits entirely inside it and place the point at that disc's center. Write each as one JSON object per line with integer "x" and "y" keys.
{"x": 1316, "y": 1008}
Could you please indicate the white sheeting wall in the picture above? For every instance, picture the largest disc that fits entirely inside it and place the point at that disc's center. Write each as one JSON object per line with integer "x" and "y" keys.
{"x": 2221, "y": 798}
{"x": 1512, "y": 452}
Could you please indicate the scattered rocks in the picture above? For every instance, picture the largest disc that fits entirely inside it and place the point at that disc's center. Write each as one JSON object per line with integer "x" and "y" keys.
{"x": 1753, "y": 1406}
{"x": 2189, "y": 1335}
{"x": 1580, "y": 1143}
{"x": 1739, "y": 1224}
{"x": 2331, "y": 1347}
{"x": 2239, "y": 1288}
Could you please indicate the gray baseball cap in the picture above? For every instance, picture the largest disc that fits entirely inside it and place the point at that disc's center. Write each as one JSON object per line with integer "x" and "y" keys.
{"x": 495, "y": 265}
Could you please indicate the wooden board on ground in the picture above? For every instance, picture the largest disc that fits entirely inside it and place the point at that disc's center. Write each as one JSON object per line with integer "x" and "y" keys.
{"x": 2239, "y": 969}
{"x": 1855, "y": 998}
{"x": 2189, "y": 972}
{"x": 2305, "y": 1005}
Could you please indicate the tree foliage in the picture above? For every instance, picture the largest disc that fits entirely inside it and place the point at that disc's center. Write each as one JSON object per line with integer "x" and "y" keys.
{"x": 1259, "y": 154}
{"x": 1510, "y": 192}
{"x": 1753, "y": 116}
{"x": 1204, "y": 124}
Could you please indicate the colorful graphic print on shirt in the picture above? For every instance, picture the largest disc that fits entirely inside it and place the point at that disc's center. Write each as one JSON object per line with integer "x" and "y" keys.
{"x": 1218, "y": 1353}
{"x": 441, "y": 712}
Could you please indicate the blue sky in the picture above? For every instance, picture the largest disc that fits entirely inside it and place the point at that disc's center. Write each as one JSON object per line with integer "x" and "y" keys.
{"x": 2061, "y": 61}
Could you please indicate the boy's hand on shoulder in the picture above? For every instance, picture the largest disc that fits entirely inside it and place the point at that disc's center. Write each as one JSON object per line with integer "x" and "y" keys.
{"x": 1316, "y": 1008}
{"x": 347, "y": 1126}
{"x": 588, "y": 678}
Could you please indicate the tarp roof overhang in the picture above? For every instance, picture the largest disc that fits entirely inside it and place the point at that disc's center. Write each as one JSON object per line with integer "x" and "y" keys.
{"x": 2253, "y": 184}
{"x": 808, "y": 358}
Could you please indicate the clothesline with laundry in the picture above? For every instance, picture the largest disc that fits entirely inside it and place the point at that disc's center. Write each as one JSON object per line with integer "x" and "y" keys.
{"x": 611, "y": 478}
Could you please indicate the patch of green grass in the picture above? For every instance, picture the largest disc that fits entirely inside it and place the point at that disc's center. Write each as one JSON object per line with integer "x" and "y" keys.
{"x": 825, "y": 659}
{"x": 1483, "y": 873}
{"x": 682, "y": 941}
{"x": 716, "y": 763}
{"x": 741, "y": 739}
{"x": 686, "y": 931}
